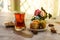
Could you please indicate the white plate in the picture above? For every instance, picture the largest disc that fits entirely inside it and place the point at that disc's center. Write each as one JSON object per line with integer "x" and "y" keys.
{"x": 37, "y": 29}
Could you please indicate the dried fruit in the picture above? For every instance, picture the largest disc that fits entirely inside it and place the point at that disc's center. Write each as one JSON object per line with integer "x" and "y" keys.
{"x": 34, "y": 32}
{"x": 53, "y": 30}
{"x": 51, "y": 25}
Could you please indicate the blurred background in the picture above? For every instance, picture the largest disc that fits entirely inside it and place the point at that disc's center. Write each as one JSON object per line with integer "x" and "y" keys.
{"x": 9, "y": 7}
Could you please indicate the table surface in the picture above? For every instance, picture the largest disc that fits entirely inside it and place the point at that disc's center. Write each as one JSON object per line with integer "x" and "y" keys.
{"x": 8, "y": 34}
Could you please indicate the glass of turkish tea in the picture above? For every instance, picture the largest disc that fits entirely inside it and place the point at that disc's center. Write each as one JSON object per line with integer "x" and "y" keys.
{"x": 19, "y": 21}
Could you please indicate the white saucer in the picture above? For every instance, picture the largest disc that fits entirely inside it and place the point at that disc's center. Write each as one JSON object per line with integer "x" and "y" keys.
{"x": 38, "y": 29}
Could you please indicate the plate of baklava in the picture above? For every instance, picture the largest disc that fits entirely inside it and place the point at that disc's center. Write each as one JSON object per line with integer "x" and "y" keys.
{"x": 38, "y": 25}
